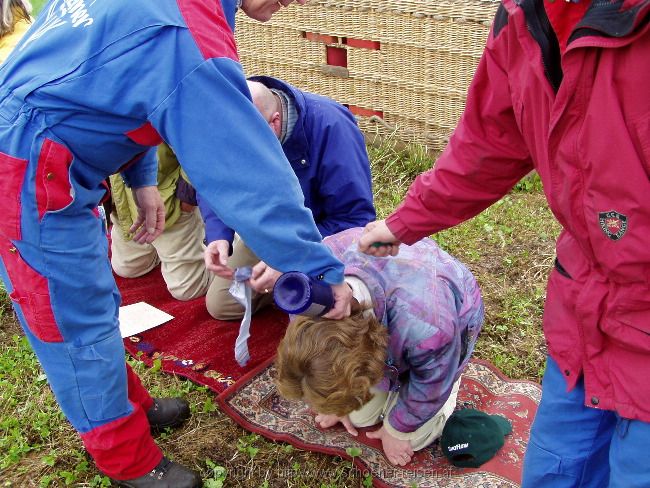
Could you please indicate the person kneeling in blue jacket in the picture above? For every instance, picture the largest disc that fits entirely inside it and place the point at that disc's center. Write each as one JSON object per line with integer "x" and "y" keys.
{"x": 327, "y": 152}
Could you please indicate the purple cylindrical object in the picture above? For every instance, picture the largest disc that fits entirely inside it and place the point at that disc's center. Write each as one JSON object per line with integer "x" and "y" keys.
{"x": 298, "y": 294}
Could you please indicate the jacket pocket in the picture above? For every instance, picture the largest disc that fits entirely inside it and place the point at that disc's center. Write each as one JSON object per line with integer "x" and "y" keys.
{"x": 560, "y": 316}
{"x": 11, "y": 184}
{"x": 31, "y": 294}
{"x": 53, "y": 189}
{"x": 628, "y": 323}
{"x": 546, "y": 468}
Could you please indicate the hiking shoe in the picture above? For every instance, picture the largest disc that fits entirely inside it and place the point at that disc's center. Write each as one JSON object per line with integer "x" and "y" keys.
{"x": 168, "y": 412}
{"x": 167, "y": 474}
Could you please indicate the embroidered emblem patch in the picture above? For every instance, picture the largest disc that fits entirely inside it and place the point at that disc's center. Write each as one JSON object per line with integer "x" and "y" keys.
{"x": 613, "y": 224}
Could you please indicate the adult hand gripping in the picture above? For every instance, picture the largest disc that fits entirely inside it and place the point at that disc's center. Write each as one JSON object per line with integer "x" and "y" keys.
{"x": 150, "y": 222}
{"x": 377, "y": 240}
{"x": 342, "y": 302}
{"x": 263, "y": 278}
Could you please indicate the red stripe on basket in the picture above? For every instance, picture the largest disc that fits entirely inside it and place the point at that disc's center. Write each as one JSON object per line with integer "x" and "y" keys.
{"x": 365, "y": 112}
{"x": 316, "y": 37}
{"x": 363, "y": 44}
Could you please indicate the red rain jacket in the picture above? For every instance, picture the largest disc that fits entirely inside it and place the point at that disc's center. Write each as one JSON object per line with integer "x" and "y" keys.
{"x": 582, "y": 120}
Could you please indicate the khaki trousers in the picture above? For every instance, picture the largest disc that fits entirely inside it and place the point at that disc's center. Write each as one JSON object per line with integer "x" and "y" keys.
{"x": 179, "y": 249}
{"x": 219, "y": 302}
{"x": 383, "y": 402}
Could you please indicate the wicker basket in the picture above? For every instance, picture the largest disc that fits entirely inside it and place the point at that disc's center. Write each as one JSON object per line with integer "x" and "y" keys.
{"x": 402, "y": 66}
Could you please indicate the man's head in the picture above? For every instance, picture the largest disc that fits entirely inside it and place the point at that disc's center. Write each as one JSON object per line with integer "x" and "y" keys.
{"x": 263, "y": 10}
{"x": 331, "y": 364}
{"x": 269, "y": 105}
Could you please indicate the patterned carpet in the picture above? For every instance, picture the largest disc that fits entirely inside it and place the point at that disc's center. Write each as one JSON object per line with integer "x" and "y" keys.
{"x": 200, "y": 348}
{"x": 254, "y": 403}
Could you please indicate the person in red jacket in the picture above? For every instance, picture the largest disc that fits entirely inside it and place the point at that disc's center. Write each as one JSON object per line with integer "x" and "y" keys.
{"x": 562, "y": 87}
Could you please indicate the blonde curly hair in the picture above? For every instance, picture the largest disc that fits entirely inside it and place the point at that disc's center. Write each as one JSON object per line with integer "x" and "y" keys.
{"x": 11, "y": 12}
{"x": 331, "y": 364}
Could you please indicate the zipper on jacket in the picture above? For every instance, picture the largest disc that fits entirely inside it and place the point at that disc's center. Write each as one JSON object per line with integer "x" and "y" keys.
{"x": 540, "y": 29}
{"x": 392, "y": 373}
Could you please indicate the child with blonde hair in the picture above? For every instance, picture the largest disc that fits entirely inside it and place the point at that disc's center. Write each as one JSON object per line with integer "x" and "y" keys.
{"x": 398, "y": 359}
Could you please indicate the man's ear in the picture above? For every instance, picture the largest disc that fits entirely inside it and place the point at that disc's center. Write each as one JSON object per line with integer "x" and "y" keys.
{"x": 276, "y": 124}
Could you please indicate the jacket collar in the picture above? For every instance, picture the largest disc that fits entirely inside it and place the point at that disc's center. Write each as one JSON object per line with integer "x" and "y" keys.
{"x": 609, "y": 18}
{"x": 296, "y": 147}
{"x": 604, "y": 21}
{"x": 612, "y": 18}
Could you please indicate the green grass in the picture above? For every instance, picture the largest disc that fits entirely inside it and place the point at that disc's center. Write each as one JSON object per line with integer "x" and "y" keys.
{"x": 394, "y": 167}
{"x": 38, "y": 5}
{"x": 509, "y": 247}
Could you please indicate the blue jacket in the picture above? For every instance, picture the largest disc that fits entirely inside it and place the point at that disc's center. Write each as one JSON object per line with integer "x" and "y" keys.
{"x": 327, "y": 152}
{"x": 104, "y": 81}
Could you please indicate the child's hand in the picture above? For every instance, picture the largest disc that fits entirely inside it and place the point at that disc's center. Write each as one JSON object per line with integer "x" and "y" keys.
{"x": 329, "y": 420}
{"x": 397, "y": 451}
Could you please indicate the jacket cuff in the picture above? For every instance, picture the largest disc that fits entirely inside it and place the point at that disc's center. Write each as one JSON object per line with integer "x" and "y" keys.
{"x": 334, "y": 276}
{"x": 135, "y": 179}
{"x": 400, "y": 230}
{"x": 144, "y": 172}
{"x": 222, "y": 234}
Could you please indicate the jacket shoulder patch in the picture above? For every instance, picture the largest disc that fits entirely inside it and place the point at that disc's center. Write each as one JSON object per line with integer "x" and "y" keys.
{"x": 613, "y": 224}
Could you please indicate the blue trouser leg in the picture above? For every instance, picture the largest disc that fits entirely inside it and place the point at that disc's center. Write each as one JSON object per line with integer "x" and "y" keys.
{"x": 66, "y": 300}
{"x": 86, "y": 368}
{"x": 54, "y": 264}
{"x": 629, "y": 455}
{"x": 569, "y": 443}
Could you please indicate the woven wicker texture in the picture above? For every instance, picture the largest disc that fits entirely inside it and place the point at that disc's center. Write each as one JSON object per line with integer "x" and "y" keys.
{"x": 411, "y": 81}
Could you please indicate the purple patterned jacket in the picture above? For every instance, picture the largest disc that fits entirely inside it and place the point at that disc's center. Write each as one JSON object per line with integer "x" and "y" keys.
{"x": 433, "y": 309}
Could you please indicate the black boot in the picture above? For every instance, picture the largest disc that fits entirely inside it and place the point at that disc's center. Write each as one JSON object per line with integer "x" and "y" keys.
{"x": 168, "y": 412}
{"x": 167, "y": 474}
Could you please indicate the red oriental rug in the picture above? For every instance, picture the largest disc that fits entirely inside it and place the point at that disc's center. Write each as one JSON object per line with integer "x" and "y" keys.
{"x": 200, "y": 348}
{"x": 193, "y": 344}
{"x": 254, "y": 403}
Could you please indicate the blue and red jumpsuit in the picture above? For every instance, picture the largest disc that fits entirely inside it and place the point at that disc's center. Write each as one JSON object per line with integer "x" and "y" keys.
{"x": 90, "y": 88}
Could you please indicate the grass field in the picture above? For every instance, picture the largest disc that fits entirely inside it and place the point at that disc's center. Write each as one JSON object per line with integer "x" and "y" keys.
{"x": 38, "y": 5}
{"x": 509, "y": 247}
